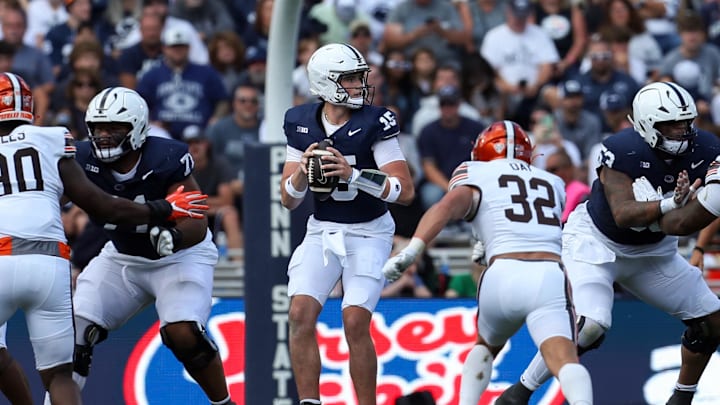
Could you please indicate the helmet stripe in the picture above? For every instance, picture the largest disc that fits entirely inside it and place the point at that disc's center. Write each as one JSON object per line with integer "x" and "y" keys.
{"x": 358, "y": 55}
{"x": 17, "y": 90}
{"x": 678, "y": 93}
{"x": 104, "y": 98}
{"x": 510, "y": 132}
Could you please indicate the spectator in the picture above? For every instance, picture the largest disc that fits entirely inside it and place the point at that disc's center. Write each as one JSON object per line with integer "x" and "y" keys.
{"x": 81, "y": 87}
{"x": 486, "y": 15}
{"x": 7, "y": 53}
{"x": 695, "y": 64}
{"x": 424, "y": 66}
{"x": 560, "y": 164}
{"x": 255, "y": 69}
{"x": 137, "y": 59}
{"x": 622, "y": 14}
{"x": 60, "y": 39}
{"x": 28, "y": 62}
{"x": 198, "y": 50}
{"x": 564, "y": 23}
{"x": 181, "y": 93}
{"x": 122, "y": 17}
{"x": 547, "y": 139}
{"x": 87, "y": 54}
{"x": 615, "y": 109}
{"x": 619, "y": 40}
{"x": 428, "y": 24}
{"x": 480, "y": 90}
{"x": 361, "y": 39}
{"x": 659, "y": 16}
{"x": 256, "y": 34}
{"x": 231, "y": 133}
{"x": 337, "y": 15}
{"x": 301, "y": 85}
{"x": 444, "y": 144}
{"x": 398, "y": 89}
{"x": 603, "y": 77}
{"x": 227, "y": 56}
{"x": 214, "y": 176}
{"x": 523, "y": 56}
{"x": 42, "y": 15}
{"x": 446, "y": 75}
{"x": 575, "y": 124}
{"x": 208, "y": 17}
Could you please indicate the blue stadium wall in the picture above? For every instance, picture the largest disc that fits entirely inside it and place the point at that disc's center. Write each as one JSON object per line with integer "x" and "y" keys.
{"x": 420, "y": 344}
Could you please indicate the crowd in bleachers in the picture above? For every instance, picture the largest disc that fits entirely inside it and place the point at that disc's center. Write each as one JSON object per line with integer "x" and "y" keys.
{"x": 564, "y": 69}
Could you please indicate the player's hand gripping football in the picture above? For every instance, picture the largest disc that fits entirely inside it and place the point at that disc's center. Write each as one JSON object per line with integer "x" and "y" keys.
{"x": 187, "y": 204}
{"x": 397, "y": 264}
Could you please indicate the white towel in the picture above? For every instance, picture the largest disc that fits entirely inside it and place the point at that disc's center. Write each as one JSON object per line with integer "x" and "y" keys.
{"x": 334, "y": 242}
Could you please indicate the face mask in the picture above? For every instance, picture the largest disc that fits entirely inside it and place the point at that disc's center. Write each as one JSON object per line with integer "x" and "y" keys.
{"x": 674, "y": 147}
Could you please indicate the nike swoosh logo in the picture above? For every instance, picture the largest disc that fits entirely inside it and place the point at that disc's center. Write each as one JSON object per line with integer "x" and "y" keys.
{"x": 145, "y": 176}
{"x": 353, "y": 132}
{"x": 696, "y": 164}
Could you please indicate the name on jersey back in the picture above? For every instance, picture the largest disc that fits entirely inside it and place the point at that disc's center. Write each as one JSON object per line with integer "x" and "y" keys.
{"x": 12, "y": 137}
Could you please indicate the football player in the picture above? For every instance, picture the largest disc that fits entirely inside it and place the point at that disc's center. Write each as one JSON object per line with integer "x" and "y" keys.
{"x": 169, "y": 264}
{"x": 349, "y": 236}
{"x": 37, "y": 167}
{"x": 514, "y": 209}
{"x": 614, "y": 238}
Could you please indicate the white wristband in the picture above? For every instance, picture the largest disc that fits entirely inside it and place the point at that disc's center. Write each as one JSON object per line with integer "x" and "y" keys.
{"x": 415, "y": 247}
{"x": 667, "y": 204}
{"x": 291, "y": 190}
{"x": 395, "y": 190}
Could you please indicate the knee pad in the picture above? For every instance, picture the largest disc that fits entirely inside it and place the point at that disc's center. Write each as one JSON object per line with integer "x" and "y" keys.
{"x": 196, "y": 356}
{"x": 699, "y": 337}
{"x": 92, "y": 335}
{"x": 590, "y": 335}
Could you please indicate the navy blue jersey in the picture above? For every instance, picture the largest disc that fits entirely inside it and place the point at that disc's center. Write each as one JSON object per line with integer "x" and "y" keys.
{"x": 627, "y": 152}
{"x": 163, "y": 163}
{"x": 354, "y": 140}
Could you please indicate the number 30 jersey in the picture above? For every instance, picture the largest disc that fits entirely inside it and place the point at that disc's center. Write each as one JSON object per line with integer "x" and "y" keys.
{"x": 520, "y": 206}
{"x": 30, "y": 183}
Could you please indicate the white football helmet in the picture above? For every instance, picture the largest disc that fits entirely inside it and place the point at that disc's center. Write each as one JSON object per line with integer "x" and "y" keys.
{"x": 325, "y": 69}
{"x": 662, "y": 102}
{"x": 117, "y": 105}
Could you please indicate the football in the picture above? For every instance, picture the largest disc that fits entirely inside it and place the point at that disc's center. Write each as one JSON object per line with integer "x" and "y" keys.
{"x": 320, "y": 184}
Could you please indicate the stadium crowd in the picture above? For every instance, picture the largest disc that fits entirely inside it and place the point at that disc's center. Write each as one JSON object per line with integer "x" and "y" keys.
{"x": 565, "y": 70}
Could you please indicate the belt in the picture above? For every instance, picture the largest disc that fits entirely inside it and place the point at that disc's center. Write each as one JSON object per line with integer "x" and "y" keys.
{"x": 11, "y": 246}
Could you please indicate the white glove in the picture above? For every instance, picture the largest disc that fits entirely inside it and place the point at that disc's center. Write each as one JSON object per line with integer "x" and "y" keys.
{"x": 644, "y": 191}
{"x": 395, "y": 265}
{"x": 478, "y": 253}
{"x": 164, "y": 240}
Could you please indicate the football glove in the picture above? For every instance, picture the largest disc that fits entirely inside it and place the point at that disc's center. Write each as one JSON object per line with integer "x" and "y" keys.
{"x": 397, "y": 264}
{"x": 165, "y": 241}
{"x": 186, "y": 204}
{"x": 478, "y": 253}
{"x": 644, "y": 191}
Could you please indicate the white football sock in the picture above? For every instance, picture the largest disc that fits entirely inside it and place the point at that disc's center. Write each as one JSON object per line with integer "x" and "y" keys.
{"x": 576, "y": 384}
{"x": 476, "y": 374}
{"x": 536, "y": 373}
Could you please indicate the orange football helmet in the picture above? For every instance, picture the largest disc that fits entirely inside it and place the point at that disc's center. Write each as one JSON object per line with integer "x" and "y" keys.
{"x": 16, "y": 100}
{"x": 502, "y": 140}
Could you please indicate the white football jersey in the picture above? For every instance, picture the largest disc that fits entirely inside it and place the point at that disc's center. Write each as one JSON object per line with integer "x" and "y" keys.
{"x": 520, "y": 206}
{"x": 30, "y": 183}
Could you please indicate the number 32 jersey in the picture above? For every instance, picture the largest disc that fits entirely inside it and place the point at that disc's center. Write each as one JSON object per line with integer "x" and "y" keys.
{"x": 520, "y": 205}
{"x": 30, "y": 183}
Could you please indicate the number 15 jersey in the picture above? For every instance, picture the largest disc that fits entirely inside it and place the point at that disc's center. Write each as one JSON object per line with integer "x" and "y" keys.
{"x": 520, "y": 206}
{"x": 30, "y": 183}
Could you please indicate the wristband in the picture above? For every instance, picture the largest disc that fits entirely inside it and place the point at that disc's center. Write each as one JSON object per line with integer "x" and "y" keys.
{"x": 699, "y": 249}
{"x": 395, "y": 189}
{"x": 415, "y": 247}
{"x": 292, "y": 192}
{"x": 667, "y": 205}
{"x": 160, "y": 210}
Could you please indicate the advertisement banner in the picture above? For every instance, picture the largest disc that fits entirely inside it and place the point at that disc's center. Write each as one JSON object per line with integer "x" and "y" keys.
{"x": 420, "y": 345}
